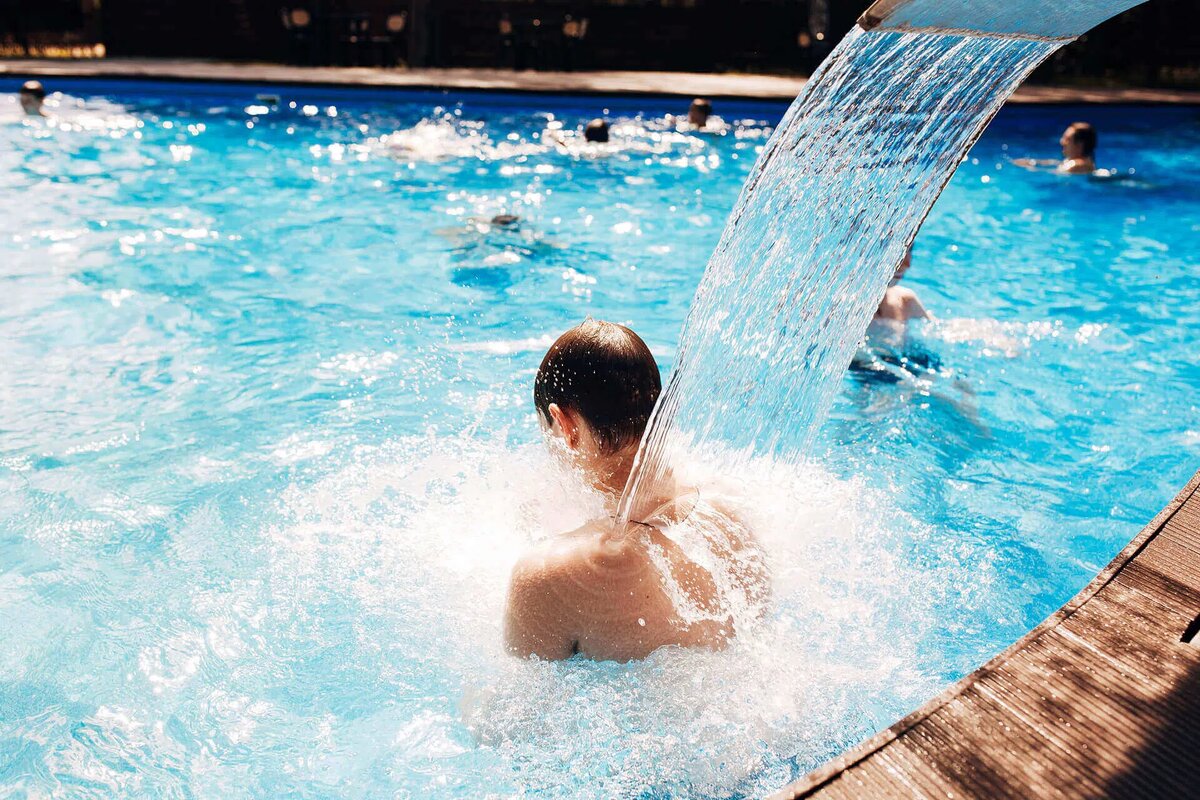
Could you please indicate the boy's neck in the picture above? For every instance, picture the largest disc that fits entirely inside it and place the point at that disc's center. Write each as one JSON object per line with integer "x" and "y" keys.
{"x": 612, "y": 474}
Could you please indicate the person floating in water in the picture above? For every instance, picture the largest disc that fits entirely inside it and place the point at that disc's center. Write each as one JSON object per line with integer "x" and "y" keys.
{"x": 505, "y": 221}
{"x": 1079, "y": 152}
{"x": 900, "y": 304}
{"x": 699, "y": 112}
{"x": 595, "y": 132}
{"x": 613, "y": 594}
{"x": 32, "y": 98}
{"x": 700, "y": 119}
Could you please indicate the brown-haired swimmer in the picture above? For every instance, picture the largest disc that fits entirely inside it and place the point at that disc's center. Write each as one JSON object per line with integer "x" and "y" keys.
{"x": 611, "y": 594}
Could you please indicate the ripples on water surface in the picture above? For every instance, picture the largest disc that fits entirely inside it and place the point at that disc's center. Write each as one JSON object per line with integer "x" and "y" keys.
{"x": 268, "y": 448}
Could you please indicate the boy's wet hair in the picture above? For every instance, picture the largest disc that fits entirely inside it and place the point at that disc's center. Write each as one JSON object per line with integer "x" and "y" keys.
{"x": 1084, "y": 135}
{"x": 34, "y": 89}
{"x": 606, "y": 374}
{"x": 596, "y": 131}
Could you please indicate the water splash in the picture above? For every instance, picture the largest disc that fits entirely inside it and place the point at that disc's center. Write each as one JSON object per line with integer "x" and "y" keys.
{"x": 834, "y": 200}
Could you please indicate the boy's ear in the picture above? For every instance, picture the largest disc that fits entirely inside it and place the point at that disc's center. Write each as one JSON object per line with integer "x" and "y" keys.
{"x": 565, "y": 421}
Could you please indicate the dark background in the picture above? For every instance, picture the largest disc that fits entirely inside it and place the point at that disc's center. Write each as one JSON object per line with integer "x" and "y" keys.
{"x": 1156, "y": 44}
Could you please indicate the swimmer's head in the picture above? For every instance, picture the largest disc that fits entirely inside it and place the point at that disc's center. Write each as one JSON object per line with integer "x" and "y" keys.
{"x": 505, "y": 221}
{"x": 595, "y": 389}
{"x": 699, "y": 112}
{"x": 31, "y": 97}
{"x": 1079, "y": 141}
{"x": 596, "y": 131}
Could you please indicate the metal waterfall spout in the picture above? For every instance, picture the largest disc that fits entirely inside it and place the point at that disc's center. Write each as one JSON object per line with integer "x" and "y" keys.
{"x": 826, "y": 214}
{"x": 1064, "y": 19}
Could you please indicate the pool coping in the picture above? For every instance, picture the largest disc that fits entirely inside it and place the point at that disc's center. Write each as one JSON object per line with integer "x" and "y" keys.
{"x": 1024, "y": 722}
{"x": 610, "y": 82}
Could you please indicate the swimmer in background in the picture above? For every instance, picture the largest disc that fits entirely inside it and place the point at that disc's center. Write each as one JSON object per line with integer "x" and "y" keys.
{"x": 596, "y": 131}
{"x": 900, "y": 304}
{"x": 700, "y": 118}
{"x": 887, "y": 357}
{"x": 505, "y": 224}
{"x": 597, "y": 591}
{"x": 1079, "y": 152}
{"x": 32, "y": 98}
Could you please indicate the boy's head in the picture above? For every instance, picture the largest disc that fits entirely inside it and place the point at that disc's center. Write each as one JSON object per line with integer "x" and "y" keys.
{"x": 699, "y": 112}
{"x": 596, "y": 388}
{"x": 1079, "y": 141}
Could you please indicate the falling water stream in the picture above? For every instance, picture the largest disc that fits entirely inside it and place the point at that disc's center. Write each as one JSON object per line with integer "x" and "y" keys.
{"x": 826, "y": 215}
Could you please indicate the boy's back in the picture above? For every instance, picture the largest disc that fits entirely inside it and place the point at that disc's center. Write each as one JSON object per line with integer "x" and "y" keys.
{"x": 620, "y": 597}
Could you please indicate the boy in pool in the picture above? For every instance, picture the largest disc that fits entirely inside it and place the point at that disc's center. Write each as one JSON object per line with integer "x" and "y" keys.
{"x": 618, "y": 594}
{"x": 900, "y": 304}
{"x": 699, "y": 112}
{"x": 1078, "y": 144}
{"x": 32, "y": 97}
{"x": 596, "y": 131}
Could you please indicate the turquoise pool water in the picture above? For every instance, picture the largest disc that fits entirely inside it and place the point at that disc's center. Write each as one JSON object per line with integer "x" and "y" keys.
{"x": 267, "y": 448}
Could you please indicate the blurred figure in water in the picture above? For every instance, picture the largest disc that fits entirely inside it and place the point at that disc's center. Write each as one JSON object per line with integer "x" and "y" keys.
{"x": 32, "y": 97}
{"x": 700, "y": 119}
{"x": 1079, "y": 149}
{"x": 596, "y": 131}
{"x": 900, "y": 304}
{"x": 612, "y": 594}
{"x": 1078, "y": 144}
{"x": 699, "y": 112}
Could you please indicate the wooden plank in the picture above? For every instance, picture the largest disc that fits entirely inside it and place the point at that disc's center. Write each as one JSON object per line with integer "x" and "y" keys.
{"x": 1162, "y": 588}
{"x": 1100, "y": 700}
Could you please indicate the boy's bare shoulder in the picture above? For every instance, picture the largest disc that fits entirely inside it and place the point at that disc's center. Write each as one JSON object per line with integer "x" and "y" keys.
{"x": 556, "y": 557}
{"x": 549, "y": 591}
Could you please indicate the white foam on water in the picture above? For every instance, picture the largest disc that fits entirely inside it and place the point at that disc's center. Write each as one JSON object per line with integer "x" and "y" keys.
{"x": 1012, "y": 339}
{"x": 444, "y": 138}
{"x": 67, "y": 113}
{"x": 413, "y": 544}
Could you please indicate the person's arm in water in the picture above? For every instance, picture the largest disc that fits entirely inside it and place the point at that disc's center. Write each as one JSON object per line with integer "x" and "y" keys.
{"x": 1077, "y": 166}
{"x": 1034, "y": 163}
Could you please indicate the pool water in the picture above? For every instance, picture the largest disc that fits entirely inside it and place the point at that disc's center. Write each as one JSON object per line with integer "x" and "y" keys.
{"x": 267, "y": 447}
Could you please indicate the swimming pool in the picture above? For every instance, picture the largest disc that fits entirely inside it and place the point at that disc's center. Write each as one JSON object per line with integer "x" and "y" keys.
{"x": 268, "y": 448}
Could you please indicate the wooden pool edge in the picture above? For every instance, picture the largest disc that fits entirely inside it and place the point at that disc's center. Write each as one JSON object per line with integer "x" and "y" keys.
{"x": 821, "y": 781}
{"x": 601, "y": 83}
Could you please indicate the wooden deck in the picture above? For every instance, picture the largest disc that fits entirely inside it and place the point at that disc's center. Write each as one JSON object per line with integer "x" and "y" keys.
{"x": 1100, "y": 700}
{"x": 610, "y": 82}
